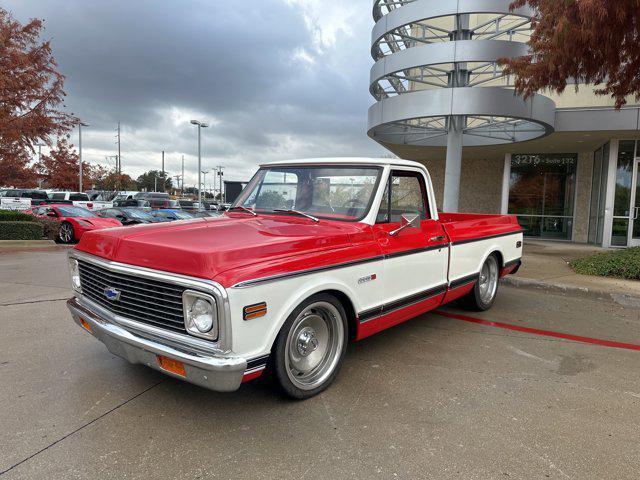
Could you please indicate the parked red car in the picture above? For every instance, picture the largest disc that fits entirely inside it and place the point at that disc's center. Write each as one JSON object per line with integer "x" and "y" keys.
{"x": 75, "y": 220}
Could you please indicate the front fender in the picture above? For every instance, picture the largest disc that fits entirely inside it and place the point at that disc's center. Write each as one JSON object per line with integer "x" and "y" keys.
{"x": 255, "y": 337}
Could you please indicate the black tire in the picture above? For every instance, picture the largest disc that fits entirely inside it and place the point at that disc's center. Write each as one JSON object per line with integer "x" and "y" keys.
{"x": 483, "y": 295}
{"x": 62, "y": 233}
{"x": 318, "y": 320}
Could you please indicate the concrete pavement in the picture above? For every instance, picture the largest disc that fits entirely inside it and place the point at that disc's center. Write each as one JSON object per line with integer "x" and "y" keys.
{"x": 432, "y": 398}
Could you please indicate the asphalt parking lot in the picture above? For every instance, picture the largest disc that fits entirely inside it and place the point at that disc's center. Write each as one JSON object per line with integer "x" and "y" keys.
{"x": 433, "y": 398}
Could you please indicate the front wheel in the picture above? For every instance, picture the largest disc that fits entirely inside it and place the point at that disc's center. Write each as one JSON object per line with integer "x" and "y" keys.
{"x": 66, "y": 233}
{"x": 310, "y": 347}
{"x": 484, "y": 292}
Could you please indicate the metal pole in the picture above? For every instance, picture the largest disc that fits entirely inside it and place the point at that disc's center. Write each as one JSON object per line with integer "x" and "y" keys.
{"x": 40, "y": 180}
{"x": 80, "y": 156}
{"x": 220, "y": 175}
{"x": 204, "y": 182}
{"x": 182, "y": 188}
{"x": 164, "y": 183}
{"x": 200, "y": 127}
{"x": 199, "y": 169}
{"x": 119, "y": 154}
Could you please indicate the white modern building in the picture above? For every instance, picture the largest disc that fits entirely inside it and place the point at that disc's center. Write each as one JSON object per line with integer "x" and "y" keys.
{"x": 567, "y": 165}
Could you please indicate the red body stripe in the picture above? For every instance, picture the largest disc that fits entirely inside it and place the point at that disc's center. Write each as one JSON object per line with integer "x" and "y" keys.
{"x": 536, "y": 331}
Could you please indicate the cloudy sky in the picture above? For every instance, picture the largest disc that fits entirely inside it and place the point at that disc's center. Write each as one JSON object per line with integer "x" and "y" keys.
{"x": 274, "y": 78}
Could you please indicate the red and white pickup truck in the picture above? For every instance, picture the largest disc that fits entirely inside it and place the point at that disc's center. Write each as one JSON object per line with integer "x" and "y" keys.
{"x": 312, "y": 255}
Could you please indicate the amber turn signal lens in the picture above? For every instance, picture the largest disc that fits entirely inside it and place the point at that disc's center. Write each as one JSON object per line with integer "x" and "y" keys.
{"x": 86, "y": 325}
{"x": 254, "y": 311}
{"x": 171, "y": 365}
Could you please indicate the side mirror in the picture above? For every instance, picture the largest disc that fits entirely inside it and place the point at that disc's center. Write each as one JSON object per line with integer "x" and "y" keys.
{"x": 51, "y": 214}
{"x": 409, "y": 220}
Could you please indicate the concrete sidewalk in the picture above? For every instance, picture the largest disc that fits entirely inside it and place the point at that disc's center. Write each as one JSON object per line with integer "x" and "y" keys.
{"x": 545, "y": 266}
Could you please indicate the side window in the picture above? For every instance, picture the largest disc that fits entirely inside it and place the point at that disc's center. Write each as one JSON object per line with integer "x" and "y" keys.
{"x": 405, "y": 193}
{"x": 383, "y": 212}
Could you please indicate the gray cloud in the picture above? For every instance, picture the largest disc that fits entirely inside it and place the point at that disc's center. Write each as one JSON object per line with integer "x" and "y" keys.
{"x": 259, "y": 70}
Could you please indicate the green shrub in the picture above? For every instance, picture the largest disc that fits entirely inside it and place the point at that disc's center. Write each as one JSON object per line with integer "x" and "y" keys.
{"x": 51, "y": 227}
{"x": 15, "y": 216}
{"x": 21, "y": 231}
{"x": 620, "y": 263}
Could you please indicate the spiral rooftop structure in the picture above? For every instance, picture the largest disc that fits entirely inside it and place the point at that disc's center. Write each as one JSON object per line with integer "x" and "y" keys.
{"x": 437, "y": 81}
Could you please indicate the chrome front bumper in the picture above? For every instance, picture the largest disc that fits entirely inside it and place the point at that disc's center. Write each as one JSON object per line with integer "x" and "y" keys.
{"x": 222, "y": 374}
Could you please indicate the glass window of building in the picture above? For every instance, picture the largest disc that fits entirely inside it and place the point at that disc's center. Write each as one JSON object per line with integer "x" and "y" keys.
{"x": 622, "y": 211}
{"x": 542, "y": 193}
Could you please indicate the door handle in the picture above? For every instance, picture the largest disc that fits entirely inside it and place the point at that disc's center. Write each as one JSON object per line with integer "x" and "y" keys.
{"x": 437, "y": 238}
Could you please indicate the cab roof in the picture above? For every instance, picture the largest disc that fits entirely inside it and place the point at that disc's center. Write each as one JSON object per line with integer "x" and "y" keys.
{"x": 346, "y": 161}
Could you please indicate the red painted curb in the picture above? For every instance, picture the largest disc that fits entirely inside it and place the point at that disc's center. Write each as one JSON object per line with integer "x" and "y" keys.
{"x": 536, "y": 331}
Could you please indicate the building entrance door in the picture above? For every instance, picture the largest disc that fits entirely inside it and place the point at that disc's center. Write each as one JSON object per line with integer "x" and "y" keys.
{"x": 634, "y": 223}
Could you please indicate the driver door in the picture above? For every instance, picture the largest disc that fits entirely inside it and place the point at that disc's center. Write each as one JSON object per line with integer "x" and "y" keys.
{"x": 415, "y": 258}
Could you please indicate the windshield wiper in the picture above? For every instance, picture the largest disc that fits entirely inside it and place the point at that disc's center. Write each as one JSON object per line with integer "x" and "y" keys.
{"x": 297, "y": 212}
{"x": 244, "y": 209}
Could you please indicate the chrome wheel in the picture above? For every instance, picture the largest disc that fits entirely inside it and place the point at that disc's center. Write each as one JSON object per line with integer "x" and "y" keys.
{"x": 66, "y": 233}
{"x": 488, "y": 283}
{"x": 314, "y": 345}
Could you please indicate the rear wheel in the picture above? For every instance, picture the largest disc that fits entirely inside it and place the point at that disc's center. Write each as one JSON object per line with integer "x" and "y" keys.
{"x": 486, "y": 288}
{"x": 66, "y": 232}
{"x": 310, "y": 347}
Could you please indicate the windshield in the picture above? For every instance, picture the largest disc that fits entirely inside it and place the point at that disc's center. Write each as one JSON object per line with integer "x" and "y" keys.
{"x": 339, "y": 193}
{"x": 138, "y": 214}
{"x": 183, "y": 215}
{"x": 75, "y": 212}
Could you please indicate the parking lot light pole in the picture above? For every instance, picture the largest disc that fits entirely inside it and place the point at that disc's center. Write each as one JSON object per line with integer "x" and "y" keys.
{"x": 200, "y": 125}
{"x": 204, "y": 182}
{"x": 80, "y": 125}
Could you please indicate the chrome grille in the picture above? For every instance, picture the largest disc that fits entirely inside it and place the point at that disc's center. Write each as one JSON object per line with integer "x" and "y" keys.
{"x": 145, "y": 300}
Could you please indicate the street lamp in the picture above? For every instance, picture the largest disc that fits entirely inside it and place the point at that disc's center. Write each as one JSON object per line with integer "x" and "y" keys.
{"x": 200, "y": 125}
{"x": 80, "y": 125}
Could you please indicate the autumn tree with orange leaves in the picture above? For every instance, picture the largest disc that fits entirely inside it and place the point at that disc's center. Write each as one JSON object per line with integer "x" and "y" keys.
{"x": 59, "y": 168}
{"x": 31, "y": 99}
{"x": 594, "y": 41}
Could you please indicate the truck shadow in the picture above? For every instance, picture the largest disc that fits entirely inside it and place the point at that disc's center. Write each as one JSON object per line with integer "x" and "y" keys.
{"x": 395, "y": 345}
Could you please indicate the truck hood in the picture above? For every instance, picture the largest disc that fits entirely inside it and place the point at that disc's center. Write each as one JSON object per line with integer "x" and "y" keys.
{"x": 207, "y": 247}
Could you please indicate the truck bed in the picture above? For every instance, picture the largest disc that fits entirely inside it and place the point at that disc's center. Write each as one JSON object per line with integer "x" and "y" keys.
{"x": 461, "y": 227}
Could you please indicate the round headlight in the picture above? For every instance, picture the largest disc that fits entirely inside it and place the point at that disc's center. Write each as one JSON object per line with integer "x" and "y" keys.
{"x": 202, "y": 315}
{"x": 75, "y": 275}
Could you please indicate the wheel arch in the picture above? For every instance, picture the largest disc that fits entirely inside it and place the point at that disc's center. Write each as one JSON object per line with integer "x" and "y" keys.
{"x": 498, "y": 253}
{"x": 349, "y": 309}
{"x": 343, "y": 295}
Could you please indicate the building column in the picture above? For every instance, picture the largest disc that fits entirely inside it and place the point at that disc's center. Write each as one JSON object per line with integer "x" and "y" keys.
{"x": 506, "y": 183}
{"x": 610, "y": 193}
{"x": 453, "y": 166}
